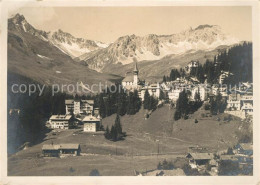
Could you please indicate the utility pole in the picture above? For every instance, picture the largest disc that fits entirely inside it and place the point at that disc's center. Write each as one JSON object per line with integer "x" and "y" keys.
{"x": 157, "y": 147}
{"x": 158, "y": 150}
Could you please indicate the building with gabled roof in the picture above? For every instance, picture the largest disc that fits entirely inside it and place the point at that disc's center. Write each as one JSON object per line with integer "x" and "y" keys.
{"x": 199, "y": 159}
{"x": 60, "y": 150}
{"x": 153, "y": 90}
{"x": 60, "y": 121}
{"x": 244, "y": 148}
{"x": 131, "y": 80}
{"x": 191, "y": 65}
{"x": 91, "y": 123}
{"x": 79, "y": 106}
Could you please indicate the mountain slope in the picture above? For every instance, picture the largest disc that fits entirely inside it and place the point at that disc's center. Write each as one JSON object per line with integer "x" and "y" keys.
{"x": 154, "y": 70}
{"x": 65, "y": 42}
{"x": 156, "y": 47}
{"x": 30, "y": 55}
{"x": 72, "y": 46}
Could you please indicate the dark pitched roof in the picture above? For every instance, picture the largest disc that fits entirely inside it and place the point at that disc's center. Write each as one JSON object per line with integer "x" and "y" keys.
{"x": 50, "y": 147}
{"x": 201, "y": 156}
{"x": 246, "y": 146}
{"x": 69, "y": 102}
{"x": 69, "y": 146}
{"x": 128, "y": 78}
{"x": 60, "y": 117}
{"x": 91, "y": 102}
{"x": 60, "y": 146}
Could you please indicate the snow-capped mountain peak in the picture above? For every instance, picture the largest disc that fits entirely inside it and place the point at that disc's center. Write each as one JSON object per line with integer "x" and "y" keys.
{"x": 64, "y": 41}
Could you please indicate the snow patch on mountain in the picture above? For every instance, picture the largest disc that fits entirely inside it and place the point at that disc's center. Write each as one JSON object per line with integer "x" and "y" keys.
{"x": 44, "y": 57}
{"x": 155, "y": 47}
{"x": 72, "y": 49}
{"x": 101, "y": 45}
{"x": 67, "y": 43}
{"x": 73, "y": 46}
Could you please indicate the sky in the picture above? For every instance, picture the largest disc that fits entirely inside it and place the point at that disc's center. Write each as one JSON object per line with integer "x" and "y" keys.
{"x": 106, "y": 24}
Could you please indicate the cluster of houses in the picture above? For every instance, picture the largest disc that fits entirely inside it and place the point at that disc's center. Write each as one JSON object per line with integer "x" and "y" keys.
{"x": 241, "y": 155}
{"x": 77, "y": 112}
{"x": 239, "y": 99}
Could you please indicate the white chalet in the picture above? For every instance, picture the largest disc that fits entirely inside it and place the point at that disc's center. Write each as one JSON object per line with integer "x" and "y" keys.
{"x": 247, "y": 104}
{"x": 191, "y": 65}
{"x": 223, "y": 90}
{"x": 234, "y": 101}
{"x": 174, "y": 94}
{"x": 60, "y": 121}
{"x": 91, "y": 123}
{"x": 223, "y": 76}
{"x": 79, "y": 106}
{"x": 153, "y": 89}
{"x": 202, "y": 90}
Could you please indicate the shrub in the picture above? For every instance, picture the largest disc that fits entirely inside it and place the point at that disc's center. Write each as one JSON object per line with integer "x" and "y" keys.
{"x": 230, "y": 151}
{"x": 196, "y": 121}
{"x": 228, "y": 168}
{"x": 71, "y": 170}
{"x": 203, "y": 115}
{"x": 159, "y": 166}
{"x": 165, "y": 165}
{"x": 207, "y": 107}
{"x": 245, "y": 138}
{"x": 227, "y": 118}
{"x": 189, "y": 171}
{"x": 94, "y": 172}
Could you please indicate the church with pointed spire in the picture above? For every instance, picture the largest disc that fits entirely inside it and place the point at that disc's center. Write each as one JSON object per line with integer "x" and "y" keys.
{"x": 131, "y": 81}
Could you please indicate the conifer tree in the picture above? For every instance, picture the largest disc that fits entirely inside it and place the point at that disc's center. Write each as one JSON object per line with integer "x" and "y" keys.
{"x": 182, "y": 106}
{"x": 130, "y": 104}
{"x": 113, "y": 133}
{"x": 162, "y": 96}
{"x": 118, "y": 126}
{"x": 107, "y": 133}
{"x": 164, "y": 78}
{"x": 197, "y": 96}
{"x": 102, "y": 108}
{"x": 137, "y": 101}
{"x": 121, "y": 104}
{"x": 146, "y": 99}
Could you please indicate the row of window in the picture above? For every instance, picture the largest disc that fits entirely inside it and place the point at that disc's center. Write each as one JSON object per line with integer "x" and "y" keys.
{"x": 60, "y": 123}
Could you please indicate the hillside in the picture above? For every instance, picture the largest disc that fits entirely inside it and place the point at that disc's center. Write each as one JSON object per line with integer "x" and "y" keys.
{"x": 65, "y": 42}
{"x": 37, "y": 59}
{"x": 156, "y": 69}
{"x": 144, "y": 139}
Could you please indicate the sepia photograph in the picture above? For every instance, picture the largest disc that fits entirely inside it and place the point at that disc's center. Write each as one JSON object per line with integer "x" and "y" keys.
{"x": 130, "y": 90}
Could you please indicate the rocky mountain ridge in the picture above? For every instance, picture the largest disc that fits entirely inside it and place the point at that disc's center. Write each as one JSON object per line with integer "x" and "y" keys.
{"x": 65, "y": 42}
{"x": 155, "y": 47}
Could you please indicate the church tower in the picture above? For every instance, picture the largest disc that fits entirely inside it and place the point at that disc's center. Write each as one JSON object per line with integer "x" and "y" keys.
{"x": 135, "y": 72}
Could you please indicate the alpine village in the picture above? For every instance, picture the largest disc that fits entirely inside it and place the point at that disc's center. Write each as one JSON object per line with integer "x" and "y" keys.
{"x": 152, "y": 119}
